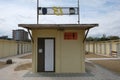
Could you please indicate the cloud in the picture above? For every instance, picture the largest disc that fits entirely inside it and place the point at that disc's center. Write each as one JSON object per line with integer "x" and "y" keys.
{"x": 104, "y": 12}
{"x": 108, "y": 24}
{"x": 13, "y": 14}
{"x": 2, "y": 20}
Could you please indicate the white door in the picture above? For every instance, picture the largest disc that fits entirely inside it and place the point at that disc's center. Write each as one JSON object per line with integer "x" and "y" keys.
{"x": 104, "y": 48}
{"x": 110, "y": 49}
{"x": 49, "y": 54}
{"x": 118, "y": 50}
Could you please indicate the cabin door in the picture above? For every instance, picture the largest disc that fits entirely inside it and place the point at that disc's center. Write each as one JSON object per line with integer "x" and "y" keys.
{"x": 46, "y": 55}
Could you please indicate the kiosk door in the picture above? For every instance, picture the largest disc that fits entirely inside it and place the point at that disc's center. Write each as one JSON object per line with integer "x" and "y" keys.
{"x": 45, "y": 55}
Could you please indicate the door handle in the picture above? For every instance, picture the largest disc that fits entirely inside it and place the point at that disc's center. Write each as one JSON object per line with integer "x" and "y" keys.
{"x": 40, "y": 50}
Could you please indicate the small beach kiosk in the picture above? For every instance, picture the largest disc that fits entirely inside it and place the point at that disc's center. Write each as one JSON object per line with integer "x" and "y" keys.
{"x": 58, "y": 48}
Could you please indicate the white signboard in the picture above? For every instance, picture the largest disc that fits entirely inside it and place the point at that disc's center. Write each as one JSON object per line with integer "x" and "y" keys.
{"x": 58, "y": 11}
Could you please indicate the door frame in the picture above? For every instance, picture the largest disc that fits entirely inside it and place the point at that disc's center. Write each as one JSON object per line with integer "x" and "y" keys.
{"x": 44, "y": 53}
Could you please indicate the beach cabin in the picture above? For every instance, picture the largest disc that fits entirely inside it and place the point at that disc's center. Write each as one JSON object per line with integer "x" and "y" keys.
{"x": 58, "y": 48}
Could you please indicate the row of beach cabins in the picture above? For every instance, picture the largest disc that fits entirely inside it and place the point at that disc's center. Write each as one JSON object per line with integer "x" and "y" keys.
{"x": 12, "y": 47}
{"x": 105, "y": 48}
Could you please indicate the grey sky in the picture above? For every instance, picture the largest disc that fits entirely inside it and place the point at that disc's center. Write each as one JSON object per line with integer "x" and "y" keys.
{"x": 104, "y": 12}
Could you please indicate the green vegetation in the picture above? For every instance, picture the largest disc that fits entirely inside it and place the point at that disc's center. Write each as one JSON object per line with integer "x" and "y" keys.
{"x": 103, "y": 38}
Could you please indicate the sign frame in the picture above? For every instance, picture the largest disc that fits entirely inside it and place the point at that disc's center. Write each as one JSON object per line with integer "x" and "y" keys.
{"x": 70, "y": 14}
{"x": 58, "y": 10}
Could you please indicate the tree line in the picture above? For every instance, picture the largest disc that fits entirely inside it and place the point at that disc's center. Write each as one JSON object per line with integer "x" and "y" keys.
{"x": 103, "y": 38}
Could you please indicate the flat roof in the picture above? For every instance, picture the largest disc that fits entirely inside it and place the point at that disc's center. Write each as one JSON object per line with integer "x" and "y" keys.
{"x": 58, "y": 26}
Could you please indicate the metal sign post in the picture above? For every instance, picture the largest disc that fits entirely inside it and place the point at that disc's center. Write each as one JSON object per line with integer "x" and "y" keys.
{"x": 37, "y": 12}
{"x": 78, "y": 12}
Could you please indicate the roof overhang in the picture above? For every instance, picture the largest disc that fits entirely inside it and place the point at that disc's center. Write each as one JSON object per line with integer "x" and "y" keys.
{"x": 58, "y": 26}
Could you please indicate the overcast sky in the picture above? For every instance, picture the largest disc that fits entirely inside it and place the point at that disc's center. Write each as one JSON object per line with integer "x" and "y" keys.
{"x": 104, "y": 12}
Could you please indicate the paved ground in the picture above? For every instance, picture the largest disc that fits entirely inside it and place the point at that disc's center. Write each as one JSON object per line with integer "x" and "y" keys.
{"x": 94, "y": 72}
{"x": 103, "y": 58}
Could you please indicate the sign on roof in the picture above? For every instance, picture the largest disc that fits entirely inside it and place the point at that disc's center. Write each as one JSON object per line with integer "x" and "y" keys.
{"x": 58, "y": 7}
{"x": 58, "y": 10}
